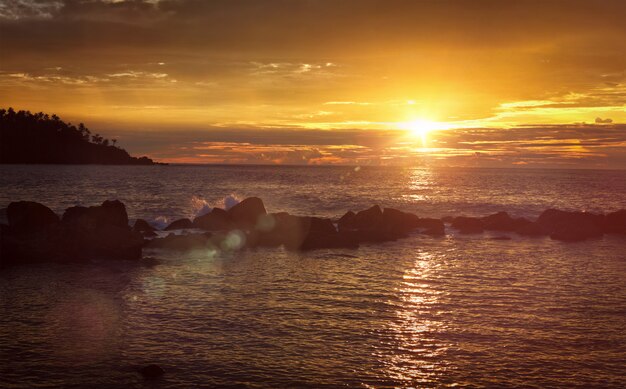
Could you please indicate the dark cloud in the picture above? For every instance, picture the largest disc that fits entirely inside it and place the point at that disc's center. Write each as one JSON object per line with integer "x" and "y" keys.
{"x": 545, "y": 146}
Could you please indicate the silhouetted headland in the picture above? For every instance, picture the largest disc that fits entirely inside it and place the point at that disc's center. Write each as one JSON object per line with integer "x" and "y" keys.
{"x": 37, "y": 138}
{"x": 34, "y": 233}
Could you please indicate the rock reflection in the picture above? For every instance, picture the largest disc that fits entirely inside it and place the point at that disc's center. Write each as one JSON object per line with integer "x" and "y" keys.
{"x": 417, "y": 351}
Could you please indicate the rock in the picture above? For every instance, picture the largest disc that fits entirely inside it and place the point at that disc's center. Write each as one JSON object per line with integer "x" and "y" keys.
{"x": 100, "y": 232}
{"x": 282, "y": 230}
{"x": 322, "y": 234}
{"x": 345, "y": 222}
{"x": 216, "y": 220}
{"x": 447, "y": 219}
{"x": 399, "y": 222}
{"x": 107, "y": 241}
{"x": 144, "y": 228}
{"x": 500, "y": 221}
{"x": 323, "y": 226}
{"x": 430, "y": 226}
{"x": 571, "y": 226}
{"x": 615, "y": 222}
{"x": 181, "y": 242}
{"x": 109, "y": 213}
{"x": 151, "y": 371}
{"x": 29, "y": 216}
{"x": 246, "y": 213}
{"x": 295, "y": 232}
{"x": 468, "y": 225}
{"x": 553, "y": 219}
{"x": 369, "y": 219}
{"x": 576, "y": 232}
{"x": 179, "y": 224}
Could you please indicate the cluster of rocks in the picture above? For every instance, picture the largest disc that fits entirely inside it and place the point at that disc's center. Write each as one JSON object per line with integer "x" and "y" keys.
{"x": 255, "y": 227}
{"x": 35, "y": 233}
{"x": 559, "y": 225}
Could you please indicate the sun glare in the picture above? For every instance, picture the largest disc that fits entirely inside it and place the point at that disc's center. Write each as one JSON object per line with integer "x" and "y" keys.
{"x": 420, "y": 128}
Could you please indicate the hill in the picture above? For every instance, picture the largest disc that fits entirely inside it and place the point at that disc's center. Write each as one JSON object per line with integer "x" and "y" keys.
{"x": 38, "y": 138}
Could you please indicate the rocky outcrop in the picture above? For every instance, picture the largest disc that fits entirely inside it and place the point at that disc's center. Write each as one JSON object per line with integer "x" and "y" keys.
{"x": 35, "y": 234}
{"x": 181, "y": 242}
{"x": 216, "y": 220}
{"x": 247, "y": 212}
{"x": 376, "y": 225}
{"x": 571, "y": 226}
{"x": 430, "y": 226}
{"x": 468, "y": 225}
{"x": 503, "y": 222}
{"x": 615, "y": 222}
{"x": 144, "y": 228}
{"x": 29, "y": 216}
{"x": 179, "y": 224}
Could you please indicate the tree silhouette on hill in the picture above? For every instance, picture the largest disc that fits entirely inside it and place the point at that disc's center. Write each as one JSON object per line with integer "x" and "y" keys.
{"x": 38, "y": 138}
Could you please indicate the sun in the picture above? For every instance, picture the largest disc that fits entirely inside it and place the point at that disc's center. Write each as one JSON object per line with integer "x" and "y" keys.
{"x": 420, "y": 128}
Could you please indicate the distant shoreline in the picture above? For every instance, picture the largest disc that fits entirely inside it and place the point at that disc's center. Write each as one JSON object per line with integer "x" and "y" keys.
{"x": 38, "y": 138}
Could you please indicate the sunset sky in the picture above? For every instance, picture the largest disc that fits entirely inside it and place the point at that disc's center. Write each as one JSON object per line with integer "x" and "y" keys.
{"x": 449, "y": 83}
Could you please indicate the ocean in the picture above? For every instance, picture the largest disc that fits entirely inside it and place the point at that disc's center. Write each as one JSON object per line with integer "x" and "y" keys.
{"x": 454, "y": 311}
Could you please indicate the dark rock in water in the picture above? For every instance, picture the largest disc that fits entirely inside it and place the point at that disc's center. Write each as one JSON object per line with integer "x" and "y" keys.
{"x": 282, "y": 229}
{"x": 295, "y": 232}
{"x": 398, "y": 221}
{"x": 144, "y": 228}
{"x": 434, "y": 227}
{"x": 371, "y": 236}
{"x": 468, "y": 225}
{"x": 107, "y": 242}
{"x": 109, "y": 213}
{"x": 100, "y": 232}
{"x": 151, "y": 371}
{"x": 322, "y": 234}
{"x": 374, "y": 225}
{"x": 553, "y": 219}
{"x": 533, "y": 229}
{"x": 345, "y": 222}
{"x": 615, "y": 222}
{"x": 318, "y": 225}
{"x": 247, "y": 212}
{"x": 501, "y": 221}
{"x": 179, "y": 224}
{"x": 216, "y": 220}
{"x": 576, "y": 232}
{"x": 181, "y": 242}
{"x": 447, "y": 219}
{"x": 369, "y": 219}
{"x": 571, "y": 226}
{"x": 29, "y": 216}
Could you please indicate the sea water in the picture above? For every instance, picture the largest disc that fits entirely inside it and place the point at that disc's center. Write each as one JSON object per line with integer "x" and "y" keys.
{"x": 460, "y": 310}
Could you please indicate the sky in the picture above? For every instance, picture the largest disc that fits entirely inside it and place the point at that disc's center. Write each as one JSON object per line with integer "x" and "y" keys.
{"x": 359, "y": 82}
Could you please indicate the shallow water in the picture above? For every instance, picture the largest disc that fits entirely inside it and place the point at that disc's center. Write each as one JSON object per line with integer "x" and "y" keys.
{"x": 462, "y": 311}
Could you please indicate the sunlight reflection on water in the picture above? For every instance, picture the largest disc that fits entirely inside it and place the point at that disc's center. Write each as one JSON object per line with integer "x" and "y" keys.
{"x": 421, "y": 361}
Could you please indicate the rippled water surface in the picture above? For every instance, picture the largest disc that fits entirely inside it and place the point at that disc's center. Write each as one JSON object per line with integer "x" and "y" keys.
{"x": 463, "y": 311}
